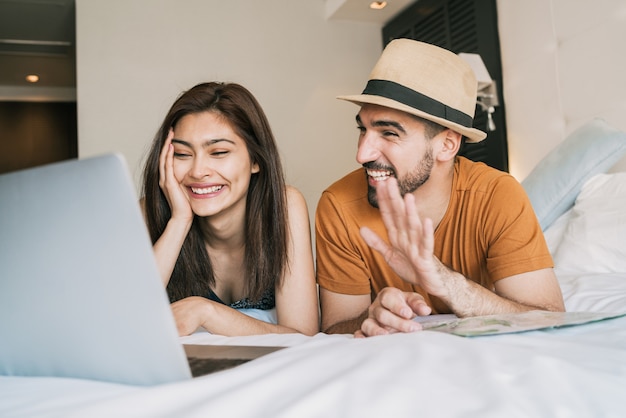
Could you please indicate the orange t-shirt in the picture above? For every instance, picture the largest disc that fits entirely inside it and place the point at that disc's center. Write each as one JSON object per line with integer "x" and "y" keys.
{"x": 488, "y": 232}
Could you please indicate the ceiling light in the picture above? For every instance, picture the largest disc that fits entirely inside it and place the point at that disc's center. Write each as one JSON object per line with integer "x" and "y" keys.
{"x": 32, "y": 78}
{"x": 378, "y": 5}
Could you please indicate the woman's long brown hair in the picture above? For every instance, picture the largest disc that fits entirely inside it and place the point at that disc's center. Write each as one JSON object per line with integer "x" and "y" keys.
{"x": 266, "y": 211}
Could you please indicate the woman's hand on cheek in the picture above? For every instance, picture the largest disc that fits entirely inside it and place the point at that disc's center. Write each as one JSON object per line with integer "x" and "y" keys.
{"x": 174, "y": 192}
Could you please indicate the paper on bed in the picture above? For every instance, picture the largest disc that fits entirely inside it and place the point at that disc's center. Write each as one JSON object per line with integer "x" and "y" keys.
{"x": 510, "y": 323}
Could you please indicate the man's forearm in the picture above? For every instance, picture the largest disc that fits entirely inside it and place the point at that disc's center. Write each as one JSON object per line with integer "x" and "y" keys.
{"x": 471, "y": 299}
{"x": 348, "y": 326}
{"x": 467, "y": 298}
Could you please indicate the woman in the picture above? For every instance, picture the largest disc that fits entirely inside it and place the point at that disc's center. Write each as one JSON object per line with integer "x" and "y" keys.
{"x": 228, "y": 233}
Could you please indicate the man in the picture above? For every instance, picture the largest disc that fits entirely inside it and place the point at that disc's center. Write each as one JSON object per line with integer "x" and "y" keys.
{"x": 418, "y": 229}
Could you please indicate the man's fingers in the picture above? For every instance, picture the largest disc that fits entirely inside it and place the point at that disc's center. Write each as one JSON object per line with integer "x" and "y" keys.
{"x": 391, "y": 205}
{"x": 395, "y": 301}
{"x": 371, "y": 328}
{"x": 384, "y": 322}
{"x": 394, "y": 314}
{"x": 418, "y": 304}
{"x": 374, "y": 241}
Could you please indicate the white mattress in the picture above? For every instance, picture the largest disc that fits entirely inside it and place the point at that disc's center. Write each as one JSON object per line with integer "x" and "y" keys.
{"x": 568, "y": 372}
{"x": 578, "y": 371}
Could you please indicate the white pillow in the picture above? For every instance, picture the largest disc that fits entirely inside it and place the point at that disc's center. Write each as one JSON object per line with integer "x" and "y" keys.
{"x": 554, "y": 233}
{"x": 594, "y": 240}
{"x": 552, "y": 186}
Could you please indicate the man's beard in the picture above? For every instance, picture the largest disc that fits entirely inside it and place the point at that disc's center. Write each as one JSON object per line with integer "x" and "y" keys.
{"x": 409, "y": 183}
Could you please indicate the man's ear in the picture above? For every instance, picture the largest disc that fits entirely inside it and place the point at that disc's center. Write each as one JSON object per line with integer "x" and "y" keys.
{"x": 450, "y": 145}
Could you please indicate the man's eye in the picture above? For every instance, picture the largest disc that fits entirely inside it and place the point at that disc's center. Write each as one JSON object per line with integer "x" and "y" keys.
{"x": 390, "y": 133}
{"x": 361, "y": 129}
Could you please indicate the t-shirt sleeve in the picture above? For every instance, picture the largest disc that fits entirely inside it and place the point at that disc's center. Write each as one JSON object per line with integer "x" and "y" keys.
{"x": 516, "y": 243}
{"x": 340, "y": 266}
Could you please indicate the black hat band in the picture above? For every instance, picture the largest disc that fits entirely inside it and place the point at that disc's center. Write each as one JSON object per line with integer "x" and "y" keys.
{"x": 416, "y": 100}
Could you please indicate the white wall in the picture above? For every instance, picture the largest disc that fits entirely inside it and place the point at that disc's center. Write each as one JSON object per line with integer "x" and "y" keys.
{"x": 564, "y": 62}
{"x": 135, "y": 56}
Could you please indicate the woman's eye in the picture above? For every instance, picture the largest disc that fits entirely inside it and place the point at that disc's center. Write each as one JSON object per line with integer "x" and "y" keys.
{"x": 181, "y": 154}
{"x": 219, "y": 153}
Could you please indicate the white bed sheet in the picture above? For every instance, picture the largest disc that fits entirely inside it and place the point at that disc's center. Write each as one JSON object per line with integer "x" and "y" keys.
{"x": 569, "y": 372}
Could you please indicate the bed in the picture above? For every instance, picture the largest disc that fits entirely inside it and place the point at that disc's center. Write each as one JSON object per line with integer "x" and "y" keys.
{"x": 577, "y": 371}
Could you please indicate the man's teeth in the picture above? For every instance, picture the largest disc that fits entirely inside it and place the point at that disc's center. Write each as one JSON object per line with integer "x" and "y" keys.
{"x": 206, "y": 190}
{"x": 379, "y": 175}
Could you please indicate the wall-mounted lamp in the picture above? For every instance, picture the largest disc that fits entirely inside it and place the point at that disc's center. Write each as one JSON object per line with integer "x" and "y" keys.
{"x": 378, "y": 5}
{"x": 487, "y": 89}
{"x": 32, "y": 78}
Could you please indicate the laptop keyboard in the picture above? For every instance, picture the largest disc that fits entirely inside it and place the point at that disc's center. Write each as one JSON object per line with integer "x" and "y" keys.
{"x": 203, "y": 366}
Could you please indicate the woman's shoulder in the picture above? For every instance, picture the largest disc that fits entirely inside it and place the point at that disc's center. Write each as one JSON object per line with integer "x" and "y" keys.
{"x": 294, "y": 196}
{"x": 296, "y": 205}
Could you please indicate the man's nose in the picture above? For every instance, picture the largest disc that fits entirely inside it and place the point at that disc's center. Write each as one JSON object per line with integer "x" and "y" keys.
{"x": 367, "y": 150}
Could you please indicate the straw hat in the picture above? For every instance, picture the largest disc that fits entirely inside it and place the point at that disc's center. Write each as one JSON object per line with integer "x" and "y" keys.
{"x": 426, "y": 81}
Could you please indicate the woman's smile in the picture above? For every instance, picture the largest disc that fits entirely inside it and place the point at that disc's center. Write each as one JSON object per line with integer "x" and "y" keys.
{"x": 205, "y": 191}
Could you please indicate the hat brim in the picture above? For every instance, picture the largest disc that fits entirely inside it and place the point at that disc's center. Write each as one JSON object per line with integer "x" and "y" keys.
{"x": 473, "y": 135}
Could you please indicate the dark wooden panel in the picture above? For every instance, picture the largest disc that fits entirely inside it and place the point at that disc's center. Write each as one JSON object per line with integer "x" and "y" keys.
{"x": 33, "y": 134}
{"x": 462, "y": 26}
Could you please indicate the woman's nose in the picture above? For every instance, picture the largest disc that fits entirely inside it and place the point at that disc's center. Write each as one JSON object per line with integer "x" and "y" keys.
{"x": 200, "y": 168}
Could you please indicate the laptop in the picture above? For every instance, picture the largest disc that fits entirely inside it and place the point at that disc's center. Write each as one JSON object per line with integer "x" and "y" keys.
{"x": 80, "y": 293}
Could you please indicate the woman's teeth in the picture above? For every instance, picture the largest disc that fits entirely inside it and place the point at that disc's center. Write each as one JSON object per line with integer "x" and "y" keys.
{"x": 206, "y": 190}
